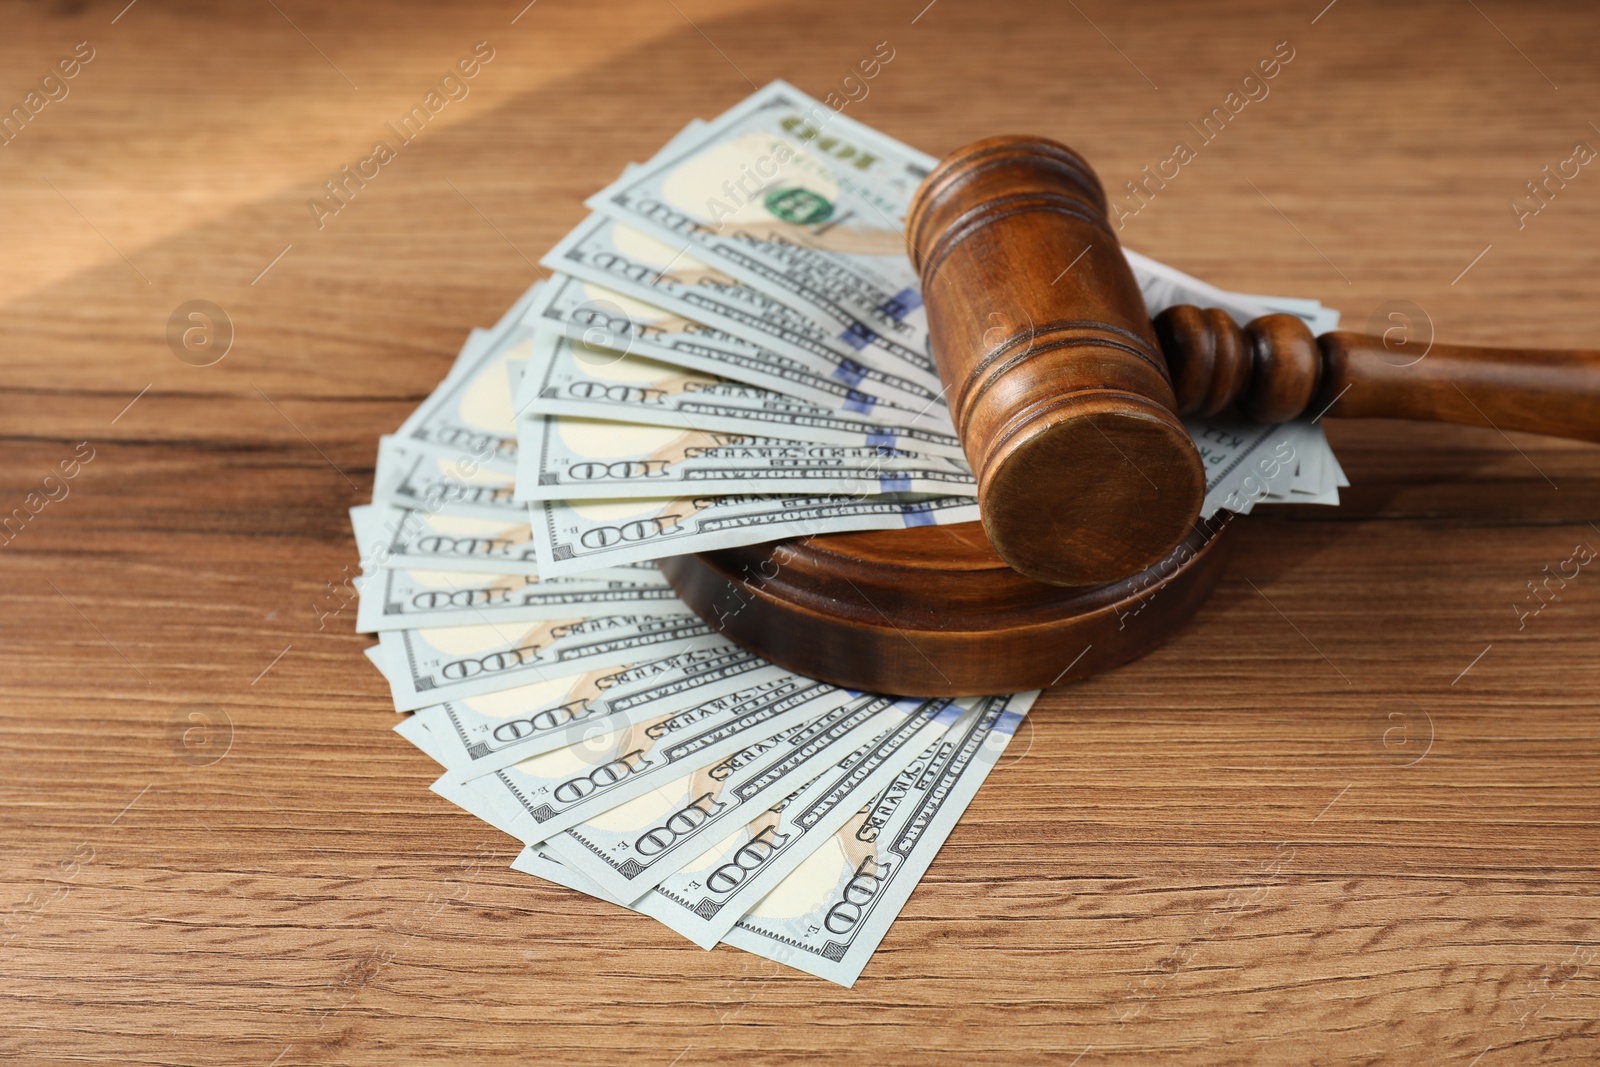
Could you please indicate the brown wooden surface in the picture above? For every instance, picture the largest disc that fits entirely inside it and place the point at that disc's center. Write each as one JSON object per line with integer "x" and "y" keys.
{"x": 1209, "y": 856}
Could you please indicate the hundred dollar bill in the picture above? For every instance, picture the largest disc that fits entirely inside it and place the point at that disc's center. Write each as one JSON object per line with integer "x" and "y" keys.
{"x": 389, "y": 537}
{"x": 793, "y": 198}
{"x": 395, "y": 599}
{"x": 706, "y": 897}
{"x": 443, "y": 663}
{"x": 618, "y": 256}
{"x": 564, "y": 458}
{"x": 628, "y": 849}
{"x": 1164, "y": 287}
{"x": 469, "y": 414}
{"x": 1310, "y": 470}
{"x": 1315, "y": 475}
{"x": 742, "y": 309}
{"x": 549, "y": 793}
{"x": 570, "y": 377}
{"x": 830, "y": 913}
{"x": 475, "y": 803}
{"x": 1335, "y": 478}
{"x": 429, "y": 482}
{"x": 532, "y": 859}
{"x": 1246, "y": 464}
{"x": 479, "y": 340}
{"x": 477, "y": 343}
{"x": 572, "y": 537}
{"x": 1229, "y": 453}
{"x": 604, "y": 318}
{"x": 535, "y": 860}
{"x": 1318, "y": 317}
{"x": 798, "y": 200}
{"x": 483, "y": 734}
{"x": 462, "y": 796}
{"x": 414, "y": 730}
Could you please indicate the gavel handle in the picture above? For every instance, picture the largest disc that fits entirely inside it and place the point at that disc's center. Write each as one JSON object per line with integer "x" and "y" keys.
{"x": 1275, "y": 370}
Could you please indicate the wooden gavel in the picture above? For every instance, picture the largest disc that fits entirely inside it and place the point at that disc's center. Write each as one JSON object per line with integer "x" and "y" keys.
{"x": 1067, "y": 397}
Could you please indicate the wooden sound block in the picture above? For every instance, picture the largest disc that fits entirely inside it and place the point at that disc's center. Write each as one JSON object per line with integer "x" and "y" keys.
{"x": 934, "y": 611}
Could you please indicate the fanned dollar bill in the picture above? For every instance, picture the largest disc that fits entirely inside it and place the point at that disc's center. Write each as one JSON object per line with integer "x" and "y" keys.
{"x": 569, "y": 377}
{"x": 602, "y": 317}
{"x": 539, "y": 862}
{"x": 564, "y": 458}
{"x": 798, "y": 200}
{"x": 483, "y": 734}
{"x": 621, "y": 257}
{"x": 572, "y": 537}
{"x": 391, "y": 537}
{"x": 413, "y": 729}
{"x": 457, "y": 793}
{"x": 547, "y": 794}
{"x": 704, "y": 899}
{"x": 532, "y": 859}
{"x": 1163, "y": 287}
{"x": 468, "y": 416}
{"x": 1318, "y": 317}
{"x": 396, "y": 599}
{"x": 1246, "y": 463}
{"x": 629, "y": 849}
{"x": 442, "y": 663}
{"x": 830, "y": 913}
{"x": 426, "y": 481}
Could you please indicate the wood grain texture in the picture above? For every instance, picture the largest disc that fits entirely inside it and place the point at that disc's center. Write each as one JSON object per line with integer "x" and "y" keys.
{"x": 1050, "y": 364}
{"x": 1388, "y": 375}
{"x": 1213, "y": 856}
{"x": 933, "y": 611}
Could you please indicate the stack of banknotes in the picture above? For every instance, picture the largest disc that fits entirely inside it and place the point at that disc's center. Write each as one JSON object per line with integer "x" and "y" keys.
{"x": 731, "y": 349}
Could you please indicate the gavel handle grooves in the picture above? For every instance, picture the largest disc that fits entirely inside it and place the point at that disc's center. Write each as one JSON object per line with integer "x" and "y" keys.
{"x": 1275, "y": 370}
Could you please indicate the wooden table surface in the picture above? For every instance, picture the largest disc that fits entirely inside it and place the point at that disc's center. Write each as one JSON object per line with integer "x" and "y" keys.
{"x": 1348, "y": 816}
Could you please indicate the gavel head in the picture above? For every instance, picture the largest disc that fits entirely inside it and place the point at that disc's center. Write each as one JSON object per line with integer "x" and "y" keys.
{"x": 1055, "y": 380}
